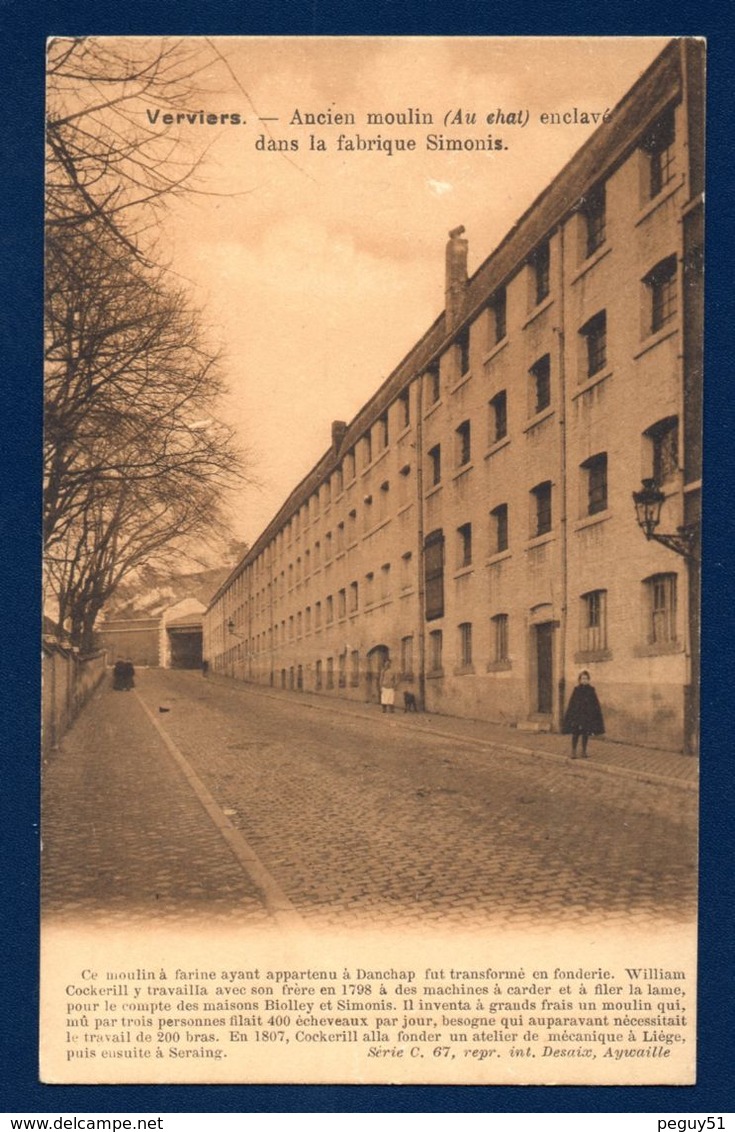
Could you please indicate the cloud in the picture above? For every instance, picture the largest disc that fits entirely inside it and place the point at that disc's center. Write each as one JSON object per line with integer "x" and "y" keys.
{"x": 439, "y": 188}
{"x": 320, "y": 269}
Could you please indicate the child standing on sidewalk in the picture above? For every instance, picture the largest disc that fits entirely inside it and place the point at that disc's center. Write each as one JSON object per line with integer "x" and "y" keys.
{"x": 583, "y": 716}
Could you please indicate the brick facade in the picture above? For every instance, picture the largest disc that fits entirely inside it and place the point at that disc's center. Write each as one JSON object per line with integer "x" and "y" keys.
{"x": 475, "y": 519}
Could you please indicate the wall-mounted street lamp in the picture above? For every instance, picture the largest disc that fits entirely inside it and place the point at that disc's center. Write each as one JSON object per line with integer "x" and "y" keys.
{"x": 648, "y": 502}
{"x": 231, "y": 630}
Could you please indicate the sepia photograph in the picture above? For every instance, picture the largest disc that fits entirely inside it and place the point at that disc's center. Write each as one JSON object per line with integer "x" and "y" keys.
{"x": 371, "y": 601}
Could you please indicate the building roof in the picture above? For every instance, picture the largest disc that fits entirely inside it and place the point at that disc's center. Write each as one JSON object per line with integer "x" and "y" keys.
{"x": 187, "y": 620}
{"x": 161, "y": 593}
{"x": 54, "y": 631}
{"x": 128, "y": 625}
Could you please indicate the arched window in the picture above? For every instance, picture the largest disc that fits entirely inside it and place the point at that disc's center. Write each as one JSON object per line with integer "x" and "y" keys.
{"x": 434, "y": 574}
{"x": 660, "y": 611}
{"x": 593, "y": 621}
{"x": 661, "y": 284}
{"x": 541, "y": 509}
{"x": 499, "y": 529}
{"x": 659, "y": 148}
{"x": 595, "y": 473}
{"x": 663, "y": 441}
{"x": 500, "y": 638}
{"x": 465, "y": 644}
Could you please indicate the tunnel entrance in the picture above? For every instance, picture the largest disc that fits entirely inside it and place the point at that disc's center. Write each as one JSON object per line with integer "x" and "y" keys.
{"x": 186, "y": 647}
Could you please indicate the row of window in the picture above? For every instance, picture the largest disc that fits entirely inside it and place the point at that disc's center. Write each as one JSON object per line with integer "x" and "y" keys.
{"x": 660, "y": 613}
{"x": 376, "y": 588}
{"x": 661, "y": 288}
{"x": 662, "y": 441}
{"x": 661, "y": 283}
{"x": 658, "y": 150}
{"x": 596, "y": 495}
{"x": 660, "y": 599}
{"x": 659, "y": 610}
{"x": 660, "y": 620}
{"x": 406, "y": 670}
{"x": 594, "y": 335}
{"x": 594, "y": 471}
{"x": 375, "y": 440}
{"x": 663, "y": 458}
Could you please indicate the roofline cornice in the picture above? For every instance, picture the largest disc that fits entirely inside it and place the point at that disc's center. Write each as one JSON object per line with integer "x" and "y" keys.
{"x": 659, "y": 86}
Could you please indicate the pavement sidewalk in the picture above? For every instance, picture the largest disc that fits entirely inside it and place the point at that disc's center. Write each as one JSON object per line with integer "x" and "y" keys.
{"x": 644, "y": 764}
{"x": 194, "y": 801}
{"x": 125, "y": 836}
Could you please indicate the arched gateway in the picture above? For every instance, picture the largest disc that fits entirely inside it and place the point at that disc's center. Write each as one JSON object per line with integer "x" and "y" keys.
{"x": 376, "y": 660}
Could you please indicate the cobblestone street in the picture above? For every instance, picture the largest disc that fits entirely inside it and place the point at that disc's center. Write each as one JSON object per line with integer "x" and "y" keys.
{"x": 252, "y": 805}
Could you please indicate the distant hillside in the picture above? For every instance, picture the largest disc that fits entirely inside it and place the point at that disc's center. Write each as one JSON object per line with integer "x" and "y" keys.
{"x": 153, "y": 590}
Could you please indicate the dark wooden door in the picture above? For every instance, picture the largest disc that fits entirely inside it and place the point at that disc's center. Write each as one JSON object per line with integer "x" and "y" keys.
{"x": 376, "y": 659}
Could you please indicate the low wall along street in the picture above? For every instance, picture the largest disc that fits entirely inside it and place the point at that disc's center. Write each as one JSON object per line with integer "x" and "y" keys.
{"x": 68, "y": 682}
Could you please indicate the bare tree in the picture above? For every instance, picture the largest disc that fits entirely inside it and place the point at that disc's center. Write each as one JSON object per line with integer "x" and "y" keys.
{"x": 109, "y": 161}
{"x": 131, "y": 388}
{"x": 135, "y": 458}
{"x": 136, "y": 462}
{"x": 124, "y": 527}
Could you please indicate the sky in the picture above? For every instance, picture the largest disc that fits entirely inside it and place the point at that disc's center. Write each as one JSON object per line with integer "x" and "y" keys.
{"x": 318, "y": 269}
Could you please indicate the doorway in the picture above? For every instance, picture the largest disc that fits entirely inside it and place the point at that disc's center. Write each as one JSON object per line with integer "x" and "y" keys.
{"x": 544, "y": 668}
{"x": 376, "y": 659}
{"x": 186, "y": 648}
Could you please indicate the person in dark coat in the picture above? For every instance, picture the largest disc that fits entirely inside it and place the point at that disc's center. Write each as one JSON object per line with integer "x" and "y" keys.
{"x": 118, "y": 676}
{"x": 583, "y": 716}
{"x": 129, "y": 677}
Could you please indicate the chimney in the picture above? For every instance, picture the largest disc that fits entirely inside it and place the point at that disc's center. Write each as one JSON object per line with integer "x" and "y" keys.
{"x": 456, "y": 277}
{"x": 339, "y": 428}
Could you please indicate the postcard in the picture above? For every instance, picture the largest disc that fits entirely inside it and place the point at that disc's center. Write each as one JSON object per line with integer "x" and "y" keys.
{"x": 372, "y": 480}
